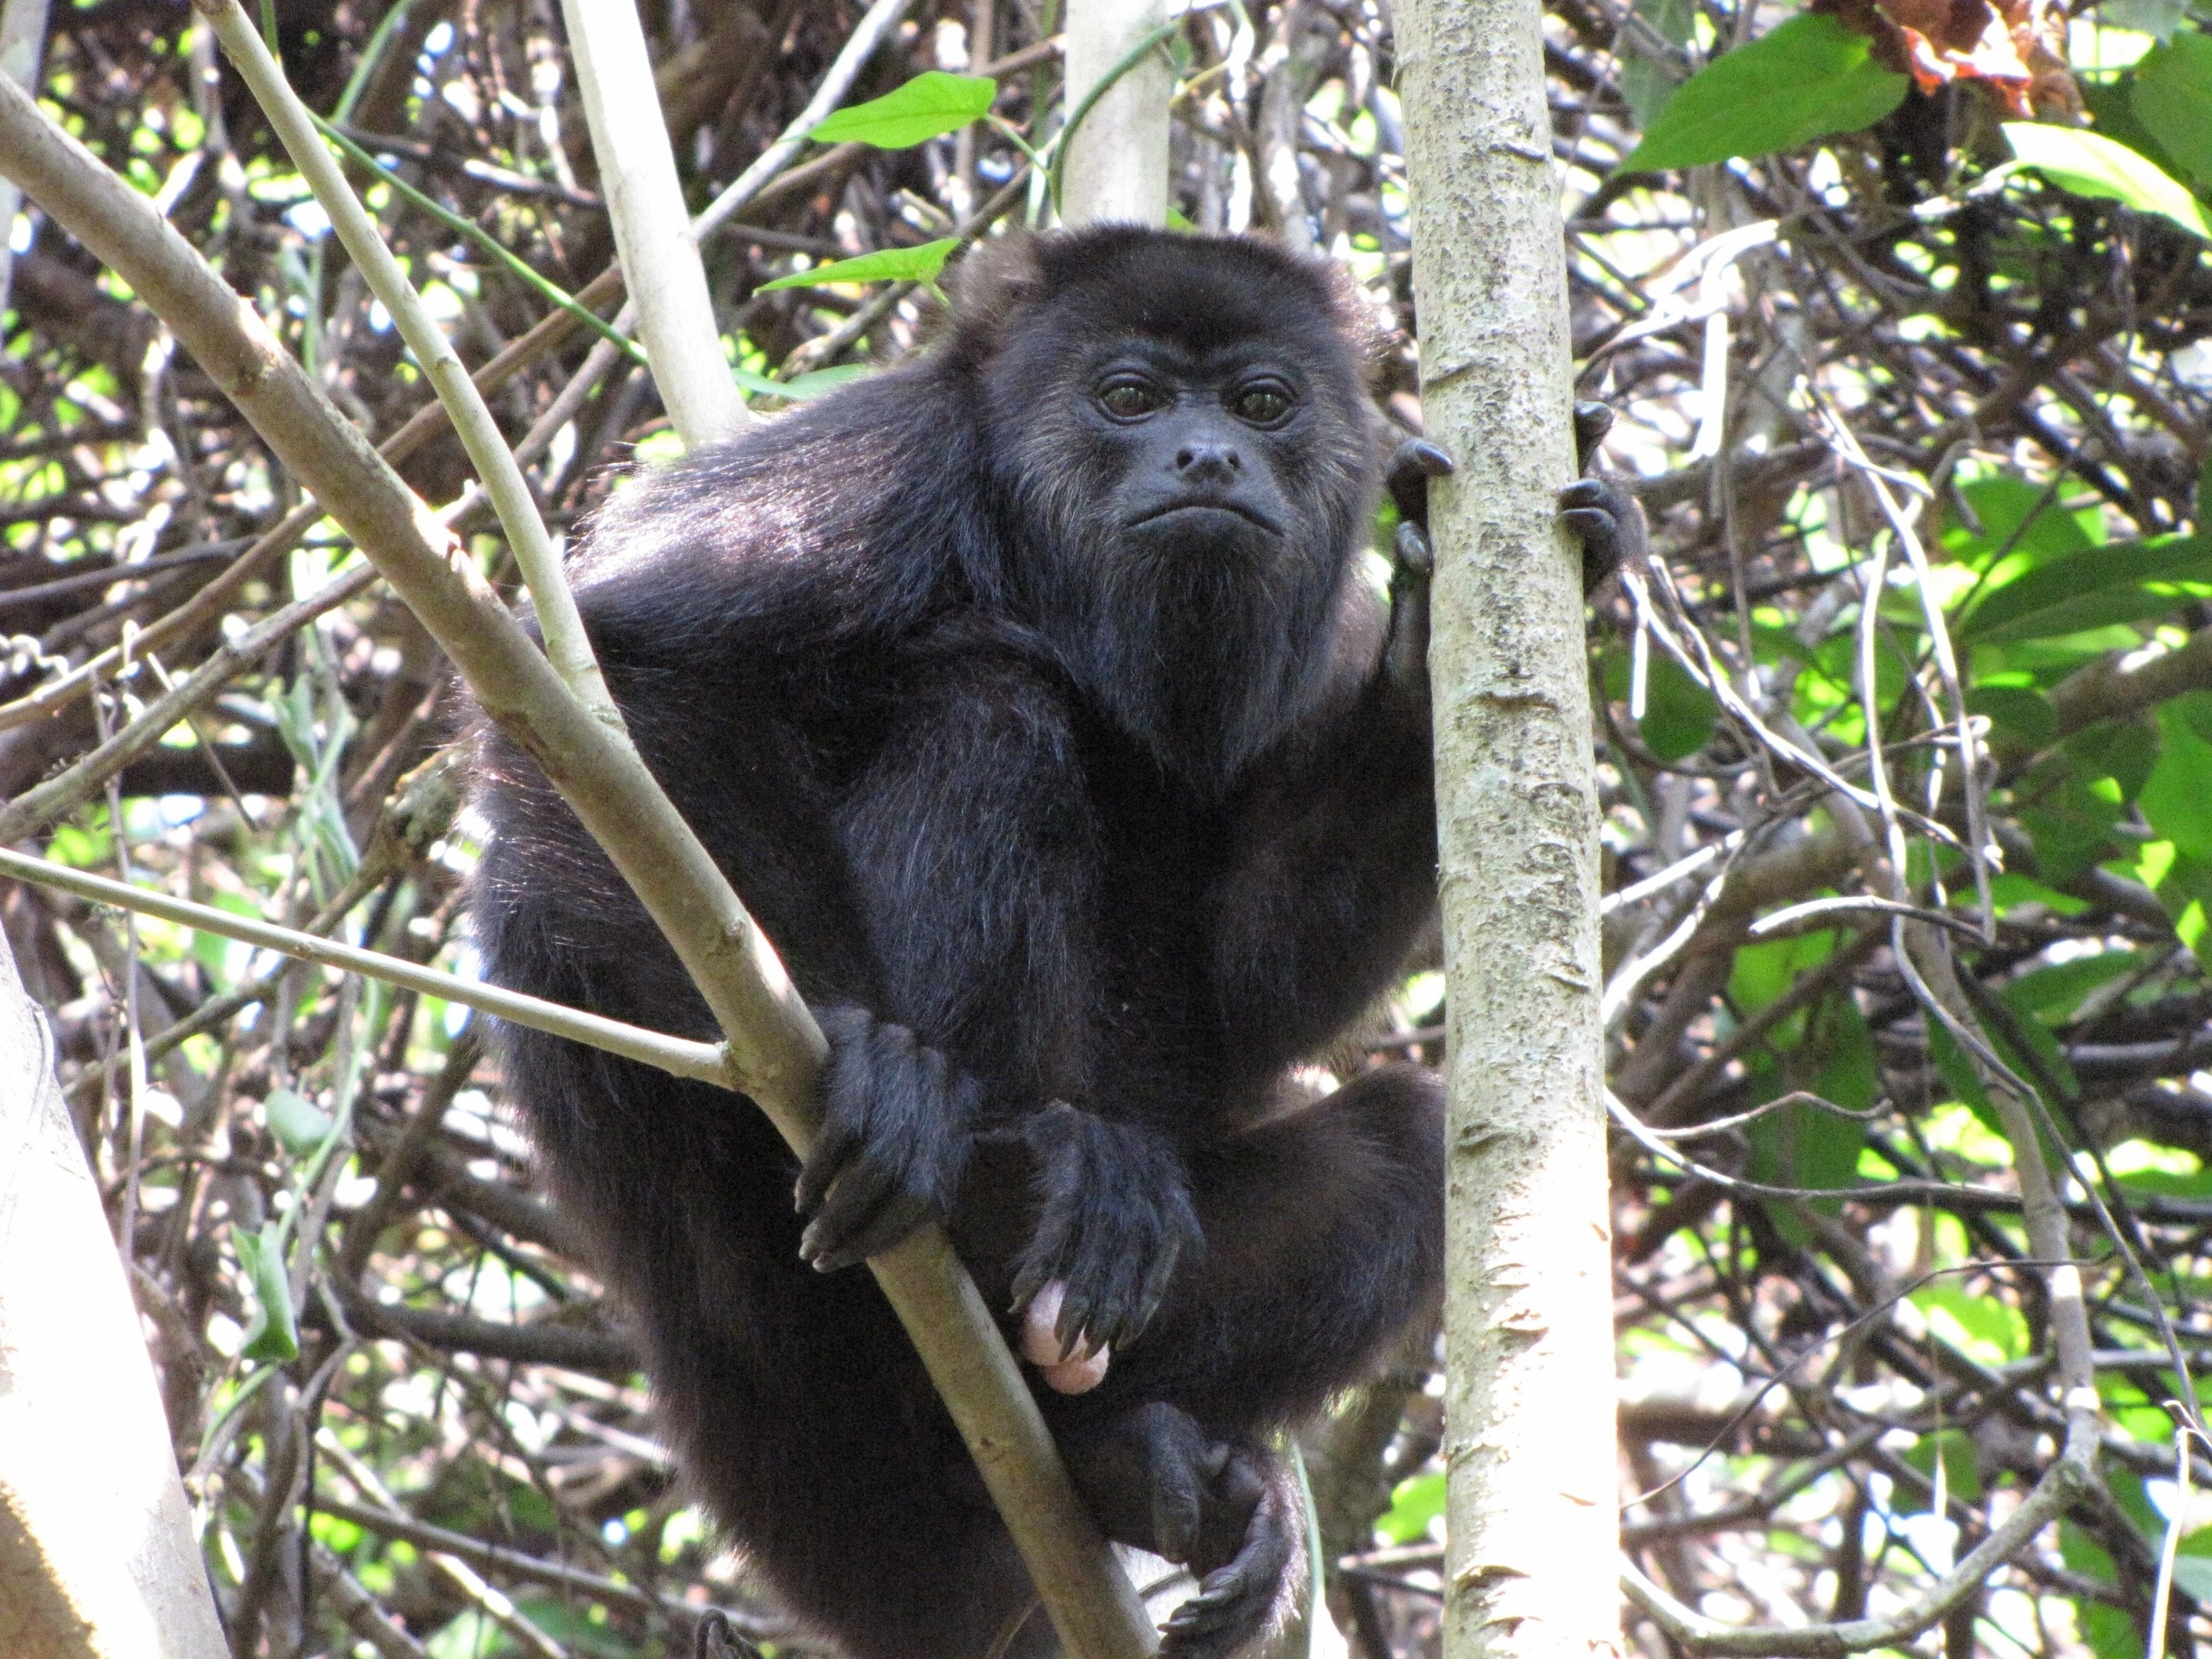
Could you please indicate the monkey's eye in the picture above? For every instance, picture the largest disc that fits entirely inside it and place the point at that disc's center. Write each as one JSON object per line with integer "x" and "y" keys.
{"x": 1129, "y": 400}
{"x": 1265, "y": 404}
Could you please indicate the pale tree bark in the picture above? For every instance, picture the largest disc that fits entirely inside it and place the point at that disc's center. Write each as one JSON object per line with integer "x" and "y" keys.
{"x": 97, "y": 1557}
{"x": 22, "y": 43}
{"x": 1117, "y": 157}
{"x": 1530, "y": 1504}
{"x": 652, "y": 227}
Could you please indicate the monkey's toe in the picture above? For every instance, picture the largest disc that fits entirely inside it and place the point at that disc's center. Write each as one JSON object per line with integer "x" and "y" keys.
{"x": 1606, "y": 519}
{"x": 1412, "y": 464}
{"x": 1592, "y": 422}
{"x": 1240, "y": 1599}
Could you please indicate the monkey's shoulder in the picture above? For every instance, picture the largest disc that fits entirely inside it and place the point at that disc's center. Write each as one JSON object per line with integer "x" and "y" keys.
{"x": 841, "y": 519}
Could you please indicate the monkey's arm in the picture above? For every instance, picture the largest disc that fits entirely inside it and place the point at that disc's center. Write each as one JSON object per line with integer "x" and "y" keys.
{"x": 1336, "y": 863}
{"x": 975, "y": 858}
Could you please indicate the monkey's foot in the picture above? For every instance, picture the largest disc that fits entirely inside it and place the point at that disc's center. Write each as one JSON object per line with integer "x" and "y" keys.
{"x": 1606, "y": 521}
{"x": 1156, "y": 1478}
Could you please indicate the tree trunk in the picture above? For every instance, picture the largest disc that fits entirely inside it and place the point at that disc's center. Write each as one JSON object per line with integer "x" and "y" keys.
{"x": 1530, "y": 1504}
{"x": 97, "y": 1556}
{"x": 1117, "y": 159}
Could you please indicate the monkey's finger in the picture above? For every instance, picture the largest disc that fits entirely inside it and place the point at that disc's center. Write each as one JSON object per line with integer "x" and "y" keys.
{"x": 1416, "y": 556}
{"x": 1159, "y": 1276}
{"x": 1080, "y": 1325}
{"x": 1592, "y": 422}
{"x": 1044, "y": 1261}
{"x": 897, "y": 1217}
{"x": 1412, "y": 464}
{"x": 1233, "y": 1602}
{"x": 1110, "y": 1309}
{"x": 836, "y": 1143}
{"x": 1594, "y": 528}
{"x": 864, "y": 1188}
{"x": 851, "y": 1081}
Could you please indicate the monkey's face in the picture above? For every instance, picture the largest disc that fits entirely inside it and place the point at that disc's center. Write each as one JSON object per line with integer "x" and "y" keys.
{"x": 1193, "y": 444}
{"x": 1181, "y": 428}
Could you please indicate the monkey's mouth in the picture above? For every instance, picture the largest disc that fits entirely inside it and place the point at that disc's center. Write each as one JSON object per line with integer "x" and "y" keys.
{"x": 1189, "y": 516}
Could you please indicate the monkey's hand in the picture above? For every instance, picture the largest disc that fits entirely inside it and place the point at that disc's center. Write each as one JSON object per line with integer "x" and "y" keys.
{"x": 896, "y": 1131}
{"x": 1406, "y": 658}
{"x": 1114, "y": 1218}
{"x": 1601, "y": 515}
{"x": 1155, "y": 1478}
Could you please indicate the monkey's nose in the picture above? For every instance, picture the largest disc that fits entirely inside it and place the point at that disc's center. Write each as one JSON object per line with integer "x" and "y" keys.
{"x": 1216, "y": 461}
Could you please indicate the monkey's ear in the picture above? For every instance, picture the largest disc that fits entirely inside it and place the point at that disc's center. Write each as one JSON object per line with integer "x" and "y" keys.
{"x": 998, "y": 278}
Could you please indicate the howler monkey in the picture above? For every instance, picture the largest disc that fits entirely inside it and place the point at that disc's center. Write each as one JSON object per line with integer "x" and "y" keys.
{"x": 1034, "y": 697}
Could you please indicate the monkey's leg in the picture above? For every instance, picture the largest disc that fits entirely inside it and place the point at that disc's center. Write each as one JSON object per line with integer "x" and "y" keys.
{"x": 1323, "y": 1234}
{"x": 792, "y": 1399}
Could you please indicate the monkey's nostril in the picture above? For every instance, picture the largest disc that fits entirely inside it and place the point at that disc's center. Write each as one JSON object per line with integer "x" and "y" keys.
{"x": 1183, "y": 459}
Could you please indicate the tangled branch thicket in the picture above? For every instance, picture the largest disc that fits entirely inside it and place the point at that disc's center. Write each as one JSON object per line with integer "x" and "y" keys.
{"x": 1906, "y": 747}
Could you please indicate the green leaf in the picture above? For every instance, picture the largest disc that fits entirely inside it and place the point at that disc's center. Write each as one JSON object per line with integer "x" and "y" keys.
{"x": 2089, "y": 164}
{"x": 2177, "y": 797}
{"x": 2051, "y": 995}
{"x": 1646, "y": 81}
{"x": 1678, "y": 713}
{"x": 918, "y": 264}
{"x": 1763, "y": 971}
{"x": 1416, "y": 1504}
{"x": 271, "y": 1334}
{"x": 2095, "y": 588}
{"x": 2021, "y": 719}
{"x": 1809, "y": 78}
{"x": 299, "y": 1128}
{"x": 1961, "y": 1467}
{"x": 930, "y": 104}
{"x": 2022, "y": 518}
{"x": 2172, "y": 99}
{"x": 801, "y": 387}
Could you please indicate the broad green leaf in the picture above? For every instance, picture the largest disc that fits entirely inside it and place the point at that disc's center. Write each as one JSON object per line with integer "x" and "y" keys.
{"x": 2158, "y": 17}
{"x": 2111, "y": 107}
{"x": 1962, "y": 1469}
{"x": 801, "y": 387}
{"x": 1763, "y": 971}
{"x": 2177, "y": 797}
{"x": 1415, "y": 1507}
{"x": 1645, "y": 82}
{"x": 2122, "y": 751}
{"x": 2089, "y": 164}
{"x": 2052, "y": 994}
{"x": 271, "y": 1334}
{"x": 2192, "y": 1575}
{"x": 1678, "y": 713}
{"x": 299, "y": 1127}
{"x": 932, "y": 104}
{"x": 1994, "y": 1332}
{"x": 2120, "y": 582}
{"x": 915, "y": 265}
{"x": 2019, "y": 520}
{"x": 2021, "y": 719}
{"x": 2010, "y": 887}
{"x": 2172, "y": 99}
{"x": 1809, "y": 78}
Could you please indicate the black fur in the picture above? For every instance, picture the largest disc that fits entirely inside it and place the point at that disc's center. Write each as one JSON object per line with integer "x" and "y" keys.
{"x": 1078, "y": 822}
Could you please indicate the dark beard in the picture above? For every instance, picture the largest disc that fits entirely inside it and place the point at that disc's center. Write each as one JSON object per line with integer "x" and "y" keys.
{"x": 1203, "y": 656}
